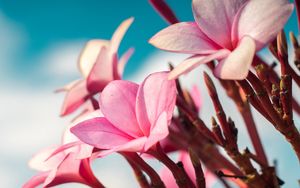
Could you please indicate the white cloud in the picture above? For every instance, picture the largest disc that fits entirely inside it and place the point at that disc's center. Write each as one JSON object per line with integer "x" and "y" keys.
{"x": 12, "y": 40}
{"x": 157, "y": 61}
{"x": 30, "y": 118}
{"x": 60, "y": 60}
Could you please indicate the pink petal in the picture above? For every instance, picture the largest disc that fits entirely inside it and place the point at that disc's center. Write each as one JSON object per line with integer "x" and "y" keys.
{"x": 236, "y": 65}
{"x": 119, "y": 34}
{"x": 81, "y": 149}
{"x": 99, "y": 132}
{"x": 67, "y": 87}
{"x": 123, "y": 60}
{"x": 155, "y": 95}
{"x": 72, "y": 144}
{"x": 262, "y": 20}
{"x": 102, "y": 72}
{"x": 73, "y": 170}
{"x": 88, "y": 107}
{"x": 215, "y": 18}
{"x": 167, "y": 176}
{"x": 36, "y": 180}
{"x": 184, "y": 37}
{"x": 167, "y": 144}
{"x": 85, "y": 151}
{"x": 41, "y": 161}
{"x": 75, "y": 97}
{"x": 159, "y": 132}
{"x": 67, "y": 171}
{"x": 68, "y": 136}
{"x": 62, "y": 149}
{"x": 89, "y": 55}
{"x": 87, "y": 174}
{"x": 210, "y": 178}
{"x": 196, "y": 96}
{"x": 118, "y": 106}
{"x": 168, "y": 179}
{"x": 194, "y": 61}
{"x": 184, "y": 157}
{"x": 134, "y": 145}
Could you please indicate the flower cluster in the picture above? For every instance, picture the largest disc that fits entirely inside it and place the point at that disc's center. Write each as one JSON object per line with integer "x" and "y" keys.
{"x": 159, "y": 116}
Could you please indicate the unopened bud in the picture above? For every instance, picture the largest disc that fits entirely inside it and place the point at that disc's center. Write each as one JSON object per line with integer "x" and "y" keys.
{"x": 214, "y": 122}
{"x": 210, "y": 85}
{"x": 217, "y": 132}
{"x": 294, "y": 40}
{"x": 194, "y": 158}
{"x": 285, "y": 83}
{"x": 247, "y": 150}
{"x": 275, "y": 90}
{"x": 273, "y": 48}
{"x": 275, "y": 97}
{"x": 232, "y": 127}
{"x": 282, "y": 45}
{"x": 171, "y": 67}
{"x": 296, "y": 49}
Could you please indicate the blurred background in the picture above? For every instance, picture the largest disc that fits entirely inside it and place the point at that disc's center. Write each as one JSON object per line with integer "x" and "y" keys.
{"x": 39, "y": 45}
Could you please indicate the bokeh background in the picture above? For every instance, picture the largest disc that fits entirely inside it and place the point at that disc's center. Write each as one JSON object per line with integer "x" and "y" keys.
{"x": 39, "y": 45}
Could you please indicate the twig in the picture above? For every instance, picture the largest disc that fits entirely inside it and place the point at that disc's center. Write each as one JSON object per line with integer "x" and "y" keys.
{"x": 200, "y": 179}
{"x": 135, "y": 158}
{"x": 182, "y": 179}
{"x": 164, "y": 10}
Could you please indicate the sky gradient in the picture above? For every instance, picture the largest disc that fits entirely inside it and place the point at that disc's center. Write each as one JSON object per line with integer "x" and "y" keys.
{"x": 40, "y": 43}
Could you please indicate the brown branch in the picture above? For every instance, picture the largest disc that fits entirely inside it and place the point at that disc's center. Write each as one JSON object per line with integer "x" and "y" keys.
{"x": 182, "y": 179}
{"x": 275, "y": 79}
{"x": 141, "y": 179}
{"x": 200, "y": 179}
{"x": 135, "y": 158}
{"x": 230, "y": 132}
{"x": 288, "y": 130}
{"x": 164, "y": 10}
{"x": 296, "y": 50}
{"x": 232, "y": 91}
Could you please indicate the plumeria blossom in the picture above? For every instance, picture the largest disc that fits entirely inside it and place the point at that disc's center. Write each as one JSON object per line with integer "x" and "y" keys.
{"x": 135, "y": 116}
{"x": 63, "y": 167}
{"x": 230, "y": 31}
{"x": 196, "y": 96}
{"x": 168, "y": 145}
{"x": 99, "y": 64}
{"x": 68, "y": 163}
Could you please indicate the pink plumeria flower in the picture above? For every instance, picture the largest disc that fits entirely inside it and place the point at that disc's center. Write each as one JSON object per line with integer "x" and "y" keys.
{"x": 61, "y": 168}
{"x": 68, "y": 163}
{"x": 231, "y": 31}
{"x": 197, "y": 98}
{"x": 135, "y": 116}
{"x": 167, "y": 144}
{"x": 168, "y": 178}
{"x": 98, "y": 64}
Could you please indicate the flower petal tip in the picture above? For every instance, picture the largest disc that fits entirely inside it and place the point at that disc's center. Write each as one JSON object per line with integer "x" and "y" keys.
{"x": 236, "y": 66}
{"x": 172, "y": 75}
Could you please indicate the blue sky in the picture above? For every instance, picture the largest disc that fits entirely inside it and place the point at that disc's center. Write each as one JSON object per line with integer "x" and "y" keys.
{"x": 45, "y": 23}
{"x": 40, "y": 42}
